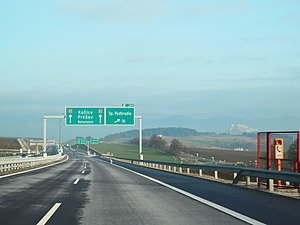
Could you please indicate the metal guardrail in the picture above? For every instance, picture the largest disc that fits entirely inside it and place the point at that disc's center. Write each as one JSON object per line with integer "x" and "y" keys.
{"x": 6, "y": 158}
{"x": 237, "y": 172}
{"x": 20, "y": 163}
{"x": 268, "y": 174}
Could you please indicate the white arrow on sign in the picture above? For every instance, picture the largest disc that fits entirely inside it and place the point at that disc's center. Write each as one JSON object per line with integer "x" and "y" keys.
{"x": 118, "y": 120}
{"x": 70, "y": 117}
{"x": 100, "y": 118}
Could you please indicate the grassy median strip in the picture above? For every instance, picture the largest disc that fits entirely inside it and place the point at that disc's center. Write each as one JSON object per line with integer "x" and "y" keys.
{"x": 132, "y": 152}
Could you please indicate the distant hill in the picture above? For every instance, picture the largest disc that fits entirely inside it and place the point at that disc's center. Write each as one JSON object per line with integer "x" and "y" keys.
{"x": 221, "y": 124}
{"x": 165, "y": 131}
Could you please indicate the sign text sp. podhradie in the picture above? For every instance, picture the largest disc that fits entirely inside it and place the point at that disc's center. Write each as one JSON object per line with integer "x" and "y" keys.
{"x": 120, "y": 113}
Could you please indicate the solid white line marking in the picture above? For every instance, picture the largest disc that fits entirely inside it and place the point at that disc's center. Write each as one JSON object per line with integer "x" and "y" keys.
{"x": 76, "y": 181}
{"x": 202, "y": 200}
{"x": 50, "y": 213}
{"x": 82, "y": 171}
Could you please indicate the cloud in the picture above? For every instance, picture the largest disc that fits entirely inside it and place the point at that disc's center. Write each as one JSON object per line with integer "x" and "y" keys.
{"x": 137, "y": 60}
{"x": 291, "y": 18}
{"x": 250, "y": 39}
{"x": 219, "y": 7}
{"x": 119, "y": 11}
{"x": 207, "y": 60}
{"x": 287, "y": 38}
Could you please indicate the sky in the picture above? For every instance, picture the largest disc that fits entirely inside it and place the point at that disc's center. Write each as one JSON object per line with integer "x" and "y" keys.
{"x": 200, "y": 59}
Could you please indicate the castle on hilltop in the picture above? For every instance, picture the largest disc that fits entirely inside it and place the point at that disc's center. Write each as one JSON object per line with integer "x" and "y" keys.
{"x": 237, "y": 129}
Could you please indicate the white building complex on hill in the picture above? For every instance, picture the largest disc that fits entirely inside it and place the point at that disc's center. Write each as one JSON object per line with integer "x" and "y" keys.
{"x": 240, "y": 129}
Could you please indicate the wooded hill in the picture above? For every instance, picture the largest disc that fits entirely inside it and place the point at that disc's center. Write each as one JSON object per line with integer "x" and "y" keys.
{"x": 167, "y": 131}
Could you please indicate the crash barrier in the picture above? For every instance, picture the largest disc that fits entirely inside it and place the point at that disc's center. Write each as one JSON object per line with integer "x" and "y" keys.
{"x": 10, "y": 163}
{"x": 234, "y": 173}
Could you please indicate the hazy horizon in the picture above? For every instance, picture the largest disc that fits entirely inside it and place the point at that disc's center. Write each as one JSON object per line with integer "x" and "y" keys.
{"x": 200, "y": 59}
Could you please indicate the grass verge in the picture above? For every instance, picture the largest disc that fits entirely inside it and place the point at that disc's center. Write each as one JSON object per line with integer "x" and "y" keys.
{"x": 131, "y": 152}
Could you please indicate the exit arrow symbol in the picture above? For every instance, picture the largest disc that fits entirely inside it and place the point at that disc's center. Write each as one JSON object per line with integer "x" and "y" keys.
{"x": 100, "y": 118}
{"x": 70, "y": 117}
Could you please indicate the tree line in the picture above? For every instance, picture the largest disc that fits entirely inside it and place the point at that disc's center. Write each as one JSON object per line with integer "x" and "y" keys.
{"x": 157, "y": 142}
{"x": 166, "y": 131}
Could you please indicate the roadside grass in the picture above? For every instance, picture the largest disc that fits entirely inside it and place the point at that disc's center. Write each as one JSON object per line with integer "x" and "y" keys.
{"x": 131, "y": 152}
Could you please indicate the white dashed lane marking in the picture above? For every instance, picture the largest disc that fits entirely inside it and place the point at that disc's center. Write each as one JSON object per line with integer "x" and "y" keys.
{"x": 76, "y": 181}
{"x": 49, "y": 214}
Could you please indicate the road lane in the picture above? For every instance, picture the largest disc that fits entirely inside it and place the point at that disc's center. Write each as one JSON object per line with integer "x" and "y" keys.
{"x": 106, "y": 194}
{"x": 26, "y": 198}
{"x": 262, "y": 206}
{"x": 121, "y": 197}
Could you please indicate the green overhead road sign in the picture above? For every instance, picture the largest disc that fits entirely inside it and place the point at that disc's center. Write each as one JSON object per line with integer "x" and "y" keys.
{"x": 116, "y": 116}
{"x": 94, "y": 141}
{"x": 81, "y": 141}
{"x": 85, "y": 116}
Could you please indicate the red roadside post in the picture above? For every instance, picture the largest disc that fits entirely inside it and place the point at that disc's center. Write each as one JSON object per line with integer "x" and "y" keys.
{"x": 258, "y": 158}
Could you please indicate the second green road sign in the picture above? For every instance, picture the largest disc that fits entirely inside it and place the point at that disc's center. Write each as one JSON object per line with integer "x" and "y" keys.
{"x": 94, "y": 141}
{"x": 115, "y": 116}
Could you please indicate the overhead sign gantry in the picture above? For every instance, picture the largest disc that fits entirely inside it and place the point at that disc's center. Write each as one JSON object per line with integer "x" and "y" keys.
{"x": 99, "y": 116}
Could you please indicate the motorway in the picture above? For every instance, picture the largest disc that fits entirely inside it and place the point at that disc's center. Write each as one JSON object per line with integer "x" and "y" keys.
{"x": 89, "y": 190}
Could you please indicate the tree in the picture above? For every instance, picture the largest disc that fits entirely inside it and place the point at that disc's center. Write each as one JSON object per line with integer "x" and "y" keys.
{"x": 176, "y": 147}
{"x": 136, "y": 141}
{"x": 158, "y": 143}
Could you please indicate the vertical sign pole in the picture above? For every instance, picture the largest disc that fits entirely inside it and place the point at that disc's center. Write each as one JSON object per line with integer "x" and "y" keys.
{"x": 140, "y": 137}
{"x": 269, "y": 154}
{"x": 45, "y": 131}
{"x": 45, "y": 135}
{"x": 60, "y": 136}
{"x": 278, "y": 169}
{"x": 88, "y": 147}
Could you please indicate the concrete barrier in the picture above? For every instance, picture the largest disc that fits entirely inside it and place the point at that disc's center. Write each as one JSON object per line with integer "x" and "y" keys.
{"x": 21, "y": 163}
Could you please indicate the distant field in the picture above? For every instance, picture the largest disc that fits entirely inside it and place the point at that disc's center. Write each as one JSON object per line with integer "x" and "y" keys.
{"x": 219, "y": 147}
{"x": 229, "y": 156}
{"x": 9, "y": 146}
{"x": 218, "y": 141}
{"x": 131, "y": 151}
{"x": 227, "y": 142}
{"x": 9, "y": 143}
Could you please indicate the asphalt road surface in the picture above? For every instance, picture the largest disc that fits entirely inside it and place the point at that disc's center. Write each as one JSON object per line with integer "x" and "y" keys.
{"x": 88, "y": 190}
